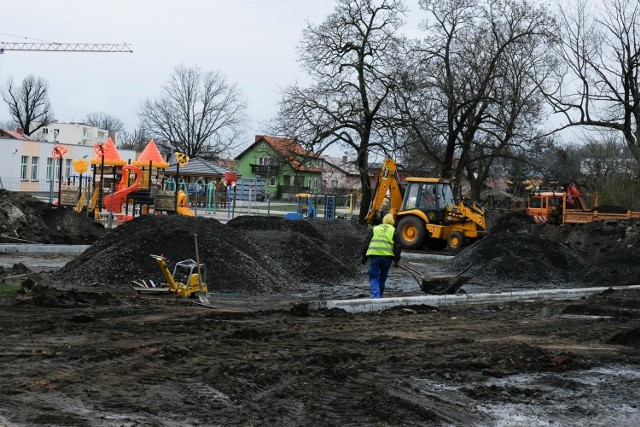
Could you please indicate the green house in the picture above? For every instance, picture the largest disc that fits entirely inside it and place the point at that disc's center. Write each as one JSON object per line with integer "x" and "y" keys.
{"x": 283, "y": 164}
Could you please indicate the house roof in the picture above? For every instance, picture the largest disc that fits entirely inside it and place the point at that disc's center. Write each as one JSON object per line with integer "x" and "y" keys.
{"x": 199, "y": 167}
{"x": 288, "y": 149}
{"x": 14, "y": 134}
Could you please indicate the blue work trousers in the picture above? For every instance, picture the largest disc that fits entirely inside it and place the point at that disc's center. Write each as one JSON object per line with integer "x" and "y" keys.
{"x": 378, "y": 271}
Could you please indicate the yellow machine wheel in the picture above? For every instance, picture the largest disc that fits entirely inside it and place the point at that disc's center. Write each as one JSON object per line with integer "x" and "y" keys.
{"x": 455, "y": 241}
{"x": 412, "y": 232}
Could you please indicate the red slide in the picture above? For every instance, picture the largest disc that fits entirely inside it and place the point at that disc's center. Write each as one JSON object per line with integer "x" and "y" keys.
{"x": 113, "y": 202}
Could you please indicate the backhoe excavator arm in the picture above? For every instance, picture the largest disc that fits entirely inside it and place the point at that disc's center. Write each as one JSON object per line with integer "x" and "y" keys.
{"x": 473, "y": 212}
{"x": 387, "y": 182}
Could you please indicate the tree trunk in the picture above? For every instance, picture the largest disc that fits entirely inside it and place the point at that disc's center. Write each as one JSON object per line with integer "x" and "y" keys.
{"x": 363, "y": 167}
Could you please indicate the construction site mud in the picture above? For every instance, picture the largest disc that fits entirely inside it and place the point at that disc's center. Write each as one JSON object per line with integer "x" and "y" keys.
{"x": 81, "y": 347}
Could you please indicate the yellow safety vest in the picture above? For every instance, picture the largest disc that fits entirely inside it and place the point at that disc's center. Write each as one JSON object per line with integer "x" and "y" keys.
{"x": 382, "y": 241}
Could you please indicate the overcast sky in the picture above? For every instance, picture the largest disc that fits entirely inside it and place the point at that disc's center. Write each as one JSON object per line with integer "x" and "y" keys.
{"x": 252, "y": 42}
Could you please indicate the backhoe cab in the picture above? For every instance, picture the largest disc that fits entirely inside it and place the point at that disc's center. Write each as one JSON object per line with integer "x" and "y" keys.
{"x": 426, "y": 212}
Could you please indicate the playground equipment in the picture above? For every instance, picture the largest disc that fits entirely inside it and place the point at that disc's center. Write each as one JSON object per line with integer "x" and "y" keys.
{"x": 305, "y": 208}
{"x": 183, "y": 204}
{"x": 119, "y": 191}
{"x": 212, "y": 202}
{"x": 113, "y": 202}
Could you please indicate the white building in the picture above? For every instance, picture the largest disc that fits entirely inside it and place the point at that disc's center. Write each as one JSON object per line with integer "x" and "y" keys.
{"x": 28, "y": 165}
{"x": 72, "y": 134}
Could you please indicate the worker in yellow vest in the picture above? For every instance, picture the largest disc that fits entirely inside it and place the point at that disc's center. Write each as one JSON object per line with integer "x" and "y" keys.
{"x": 382, "y": 248}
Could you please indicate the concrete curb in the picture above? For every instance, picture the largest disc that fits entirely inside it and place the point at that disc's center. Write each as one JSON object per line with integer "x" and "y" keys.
{"x": 10, "y": 248}
{"x": 363, "y": 305}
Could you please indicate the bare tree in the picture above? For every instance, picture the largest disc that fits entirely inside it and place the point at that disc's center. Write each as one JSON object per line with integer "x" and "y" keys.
{"x": 7, "y": 124}
{"x": 136, "y": 140}
{"x": 198, "y": 113}
{"x": 104, "y": 121}
{"x": 470, "y": 94}
{"x": 600, "y": 86}
{"x": 28, "y": 103}
{"x": 350, "y": 59}
{"x": 609, "y": 168}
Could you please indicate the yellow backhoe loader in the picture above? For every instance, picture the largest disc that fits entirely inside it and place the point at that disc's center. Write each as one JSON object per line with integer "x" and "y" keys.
{"x": 426, "y": 212}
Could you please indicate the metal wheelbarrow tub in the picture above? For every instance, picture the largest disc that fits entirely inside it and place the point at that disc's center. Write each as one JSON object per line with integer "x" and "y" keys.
{"x": 442, "y": 284}
{"x": 439, "y": 284}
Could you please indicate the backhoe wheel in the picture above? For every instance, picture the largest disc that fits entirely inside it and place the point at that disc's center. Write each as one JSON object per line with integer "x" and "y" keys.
{"x": 412, "y": 232}
{"x": 455, "y": 241}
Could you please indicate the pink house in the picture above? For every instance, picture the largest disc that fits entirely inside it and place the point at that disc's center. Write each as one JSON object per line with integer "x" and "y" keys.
{"x": 340, "y": 175}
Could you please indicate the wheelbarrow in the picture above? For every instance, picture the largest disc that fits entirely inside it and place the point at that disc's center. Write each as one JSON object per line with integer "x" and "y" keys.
{"x": 439, "y": 284}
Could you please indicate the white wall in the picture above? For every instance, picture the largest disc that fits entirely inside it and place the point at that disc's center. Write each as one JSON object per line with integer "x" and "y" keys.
{"x": 72, "y": 133}
{"x": 10, "y": 153}
{"x": 10, "y": 162}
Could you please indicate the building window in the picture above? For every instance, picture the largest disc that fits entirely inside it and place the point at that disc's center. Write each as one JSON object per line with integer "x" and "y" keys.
{"x": 67, "y": 168}
{"x": 272, "y": 181}
{"x": 334, "y": 183}
{"x": 45, "y": 130}
{"x": 315, "y": 182}
{"x": 34, "y": 168}
{"x": 49, "y": 168}
{"x": 24, "y": 167}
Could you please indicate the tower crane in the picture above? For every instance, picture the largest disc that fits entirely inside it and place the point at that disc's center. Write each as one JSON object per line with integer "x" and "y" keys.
{"x": 65, "y": 47}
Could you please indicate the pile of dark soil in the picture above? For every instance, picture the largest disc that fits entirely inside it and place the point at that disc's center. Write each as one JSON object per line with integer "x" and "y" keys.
{"x": 312, "y": 251}
{"x": 600, "y": 253}
{"x": 611, "y": 249}
{"x": 519, "y": 258}
{"x": 513, "y": 222}
{"x": 25, "y": 219}
{"x": 251, "y": 255}
{"x": 46, "y": 296}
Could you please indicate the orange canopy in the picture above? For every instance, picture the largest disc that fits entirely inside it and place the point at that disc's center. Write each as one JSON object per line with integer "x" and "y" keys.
{"x": 110, "y": 152}
{"x": 151, "y": 155}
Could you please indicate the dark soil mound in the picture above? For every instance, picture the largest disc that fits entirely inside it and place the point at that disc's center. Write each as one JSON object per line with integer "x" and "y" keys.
{"x": 513, "y": 222}
{"x": 630, "y": 337}
{"x": 312, "y": 251}
{"x": 518, "y": 257}
{"x": 273, "y": 223}
{"x": 234, "y": 263}
{"x": 24, "y": 218}
{"x": 598, "y": 240}
{"x": 251, "y": 255}
{"x": 46, "y": 296}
